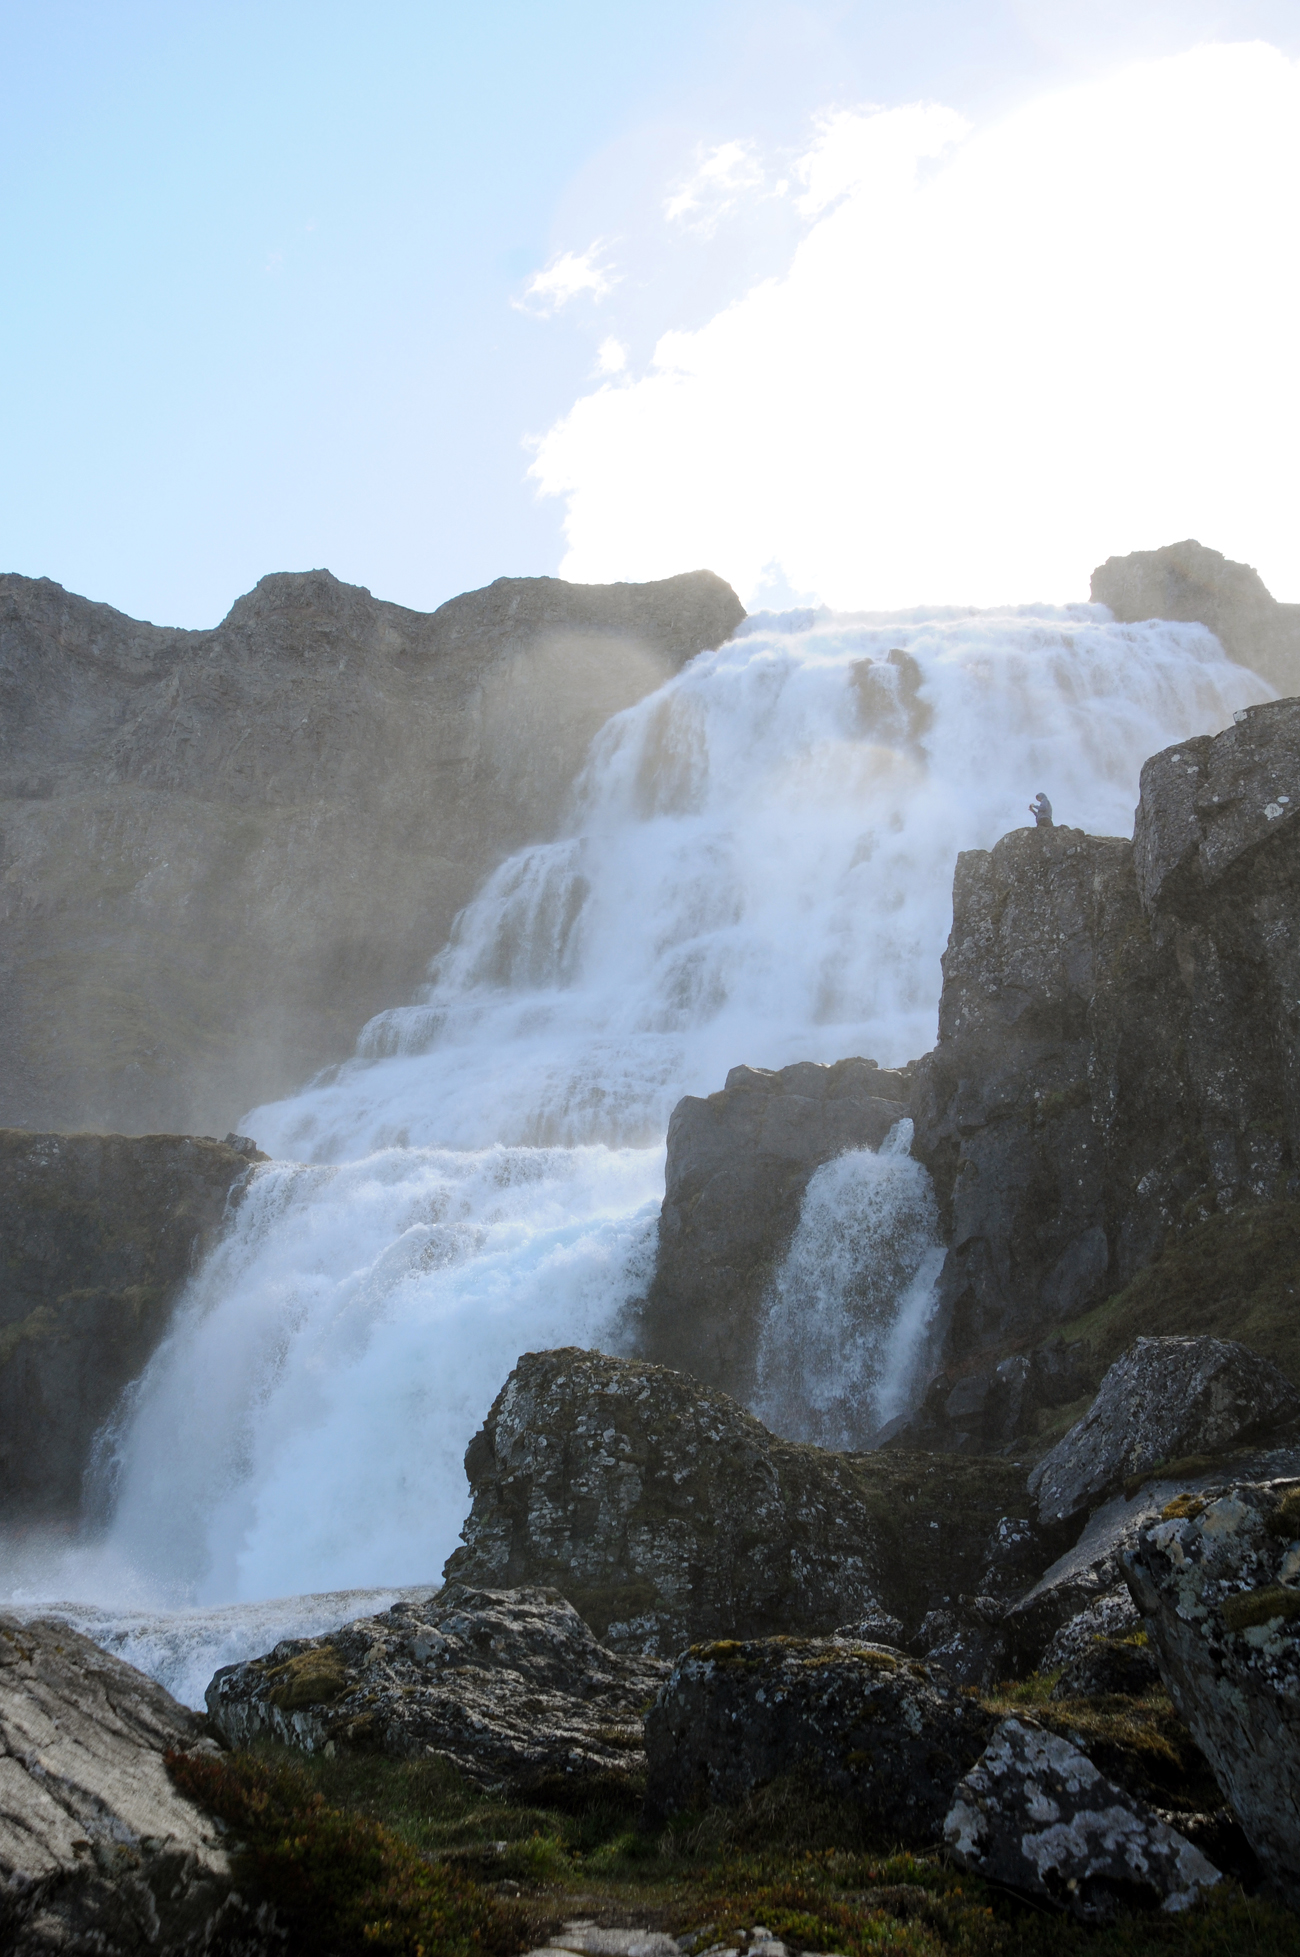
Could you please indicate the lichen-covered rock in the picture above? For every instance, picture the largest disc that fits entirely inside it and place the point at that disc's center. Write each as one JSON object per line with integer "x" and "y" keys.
{"x": 99, "y": 1233}
{"x": 738, "y": 1164}
{"x": 1105, "y": 1668}
{"x": 1165, "y": 1399}
{"x": 661, "y": 1509}
{"x": 862, "y": 1722}
{"x": 1036, "y": 1815}
{"x": 967, "y": 1635}
{"x": 510, "y": 1686}
{"x": 1217, "y": 1580}
{"x": 100, "y": 1856}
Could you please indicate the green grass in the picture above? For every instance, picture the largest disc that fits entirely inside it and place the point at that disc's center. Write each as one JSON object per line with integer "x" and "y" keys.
{"x": 1235, "y": 1276}
{"x": 407, "y": 1859}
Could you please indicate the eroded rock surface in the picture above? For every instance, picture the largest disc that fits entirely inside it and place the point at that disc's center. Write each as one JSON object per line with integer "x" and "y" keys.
{"x": 1190, "y": 583}
{"x": 862, "y": 1722}
{"x": 1217, "y": 1579}
{"x": 225, "y": 850}
{"x": 738, "y": 1164}
{"x": 1035, "y": 1814}
{"x": 99, "y": 1234}
{"x": 99, "y": 1854}
{"x": 510, "y": 1686}
{"x": 1165, "y": 1399}
{"x": 660, "y": 1508}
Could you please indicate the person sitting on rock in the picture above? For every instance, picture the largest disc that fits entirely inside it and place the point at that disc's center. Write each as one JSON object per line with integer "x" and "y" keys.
{"x": 1041, "y": 810}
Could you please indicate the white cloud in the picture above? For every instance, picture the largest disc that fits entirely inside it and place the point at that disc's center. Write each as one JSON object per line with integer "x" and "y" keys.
{"x": 723, "y": 177}
{"x": 565, "y": 278}
{"x": 994, "y": 359}
{"x": 611, "y": 356}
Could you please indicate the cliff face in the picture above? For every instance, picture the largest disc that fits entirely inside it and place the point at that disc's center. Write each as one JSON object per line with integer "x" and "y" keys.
{"x": 97, "y": 1235}
{"x": 1192, "y": 584}
{"x": 223, "y": 851}
{"x": 1117, "y": 1037}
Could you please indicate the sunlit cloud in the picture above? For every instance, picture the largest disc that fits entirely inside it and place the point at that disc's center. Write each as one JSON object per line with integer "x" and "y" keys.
{"x": 611, "y": 356}
{"x": 996, "y": 356}
{"x": 565, "y": 278}
{"x": 724, "y": 176}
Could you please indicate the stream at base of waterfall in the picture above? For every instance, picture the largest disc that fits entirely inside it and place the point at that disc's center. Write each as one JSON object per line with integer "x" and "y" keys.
{"x": 757, "y": 868}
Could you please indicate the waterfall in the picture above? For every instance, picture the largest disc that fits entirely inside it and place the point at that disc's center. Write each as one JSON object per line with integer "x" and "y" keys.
{"x": 758, "y": 868}
{"x": 843, "y": 1344}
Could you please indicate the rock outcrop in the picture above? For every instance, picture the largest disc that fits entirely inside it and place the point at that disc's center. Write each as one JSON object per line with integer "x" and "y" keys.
{"x": 98, "y": 1851}
{"x": 1191, "y": 584}
{"x": 738, "y": 1164}
{"x": 509, "y": 1685}
{"x": 858, "y": 1722}
{"x": 99, "y": 1232}
{"x": 1217, "y": 1580}
{"x": 1116, "y": 1053}
{"x": 225, "y": 850}
{"x": 1035, "y": 1815}
{"x": 1164, "y": 1400}
{"x": 662, "y": 1510}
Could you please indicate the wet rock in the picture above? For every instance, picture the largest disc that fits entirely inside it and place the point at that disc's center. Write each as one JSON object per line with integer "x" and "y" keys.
{"x": 98, "y": 1851}
{"x": 860, "y": 1722}
{"x": 1036, "y": 1815}
{"x": 1165, "y": 1399}
{"x": 660, "y": 1508}
{"x": 100, "y": 1233}
{"x": 993, "y": 1406}
{"x": 1217, "y": 1579}
{"x": 738, "y": 1164}
{"x": 510, "y": 1686}
{"x": 1190, "y": 583}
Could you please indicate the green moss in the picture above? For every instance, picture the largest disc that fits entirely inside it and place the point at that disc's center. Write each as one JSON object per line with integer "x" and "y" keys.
{"x": 1260, "y": 1607}
{"x": 1235, "y": 1275}
{"x": 1285, "y": 1519}
{"x": 313, "y": 1678}
{"x": 603, "y": 1604}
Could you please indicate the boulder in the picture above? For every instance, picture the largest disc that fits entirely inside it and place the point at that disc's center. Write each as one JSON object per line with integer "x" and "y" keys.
{"x": 967, "y": 1636}
{"x": 1035, "y": 1815}
{"x": 99, "y": 1853}
{"x": 661, "y": 1509}
{"x": 860, "y": 1722}
{"x": 1217, "y": 1580}
{"x": 738, "y": 1164}
{"x": 1165, "y": 1399}
{"x": 100, "y": 1233}
{"x": 509, "y": 1685}
{"x": 1189, "y": 583}
{"x": 225, "y": 850}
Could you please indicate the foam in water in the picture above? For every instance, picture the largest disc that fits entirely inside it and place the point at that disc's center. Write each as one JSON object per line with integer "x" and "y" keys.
{"x": 843, "y": 1341}
{"x": 758, "y": 869}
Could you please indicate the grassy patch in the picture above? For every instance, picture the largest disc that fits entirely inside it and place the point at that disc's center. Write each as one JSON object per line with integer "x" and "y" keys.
{"x": 1235, "y": 1276}
{"x": 378, "y": 1855}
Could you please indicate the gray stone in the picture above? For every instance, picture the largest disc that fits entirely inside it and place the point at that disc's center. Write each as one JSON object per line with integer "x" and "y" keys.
{"x": 100, "y": 1856}
{"x": 1217, "y": 1579}
{"x": 510, "y": 1686}
{"x": 738, "y": 1164}
{"x": 226, "y": 850}
{"x": 1036, "y": 1815}
{"x": 1189, "y": 583}
{"x": 100, "y": 1233}
{"x": 1164, "y": 1399}
{"x": 860, "y": 1722}
{"x": 660, "y": 1508}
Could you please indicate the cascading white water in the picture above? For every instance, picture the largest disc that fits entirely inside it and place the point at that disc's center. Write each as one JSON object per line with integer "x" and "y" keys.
{"x": 758, "y": 869}
{"x": 843, "y": 1337}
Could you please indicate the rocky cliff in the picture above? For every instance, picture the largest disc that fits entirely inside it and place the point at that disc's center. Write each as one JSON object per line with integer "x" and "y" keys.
{"x": 224, "y": 850}
{"x": 97, "y": 1235}
{"x": 1190, "y": 583}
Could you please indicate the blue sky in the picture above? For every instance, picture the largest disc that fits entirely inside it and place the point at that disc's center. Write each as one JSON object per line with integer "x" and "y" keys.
{"x": 266, "y": 268}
